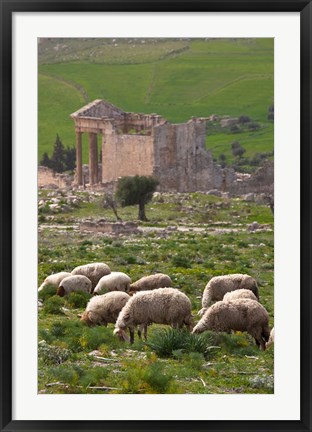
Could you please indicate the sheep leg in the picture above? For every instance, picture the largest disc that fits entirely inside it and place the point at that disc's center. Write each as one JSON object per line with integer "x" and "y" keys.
{"x": 131, "y": 330}
{"x": 140, "y": 332}
{"x": 145, "y": 331}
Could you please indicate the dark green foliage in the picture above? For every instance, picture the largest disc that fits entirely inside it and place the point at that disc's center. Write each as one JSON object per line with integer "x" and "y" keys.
{"x": 181, "y": 261}
{"x": 58, "y": 329}
{"x": 62, "y": 159}
{"x": 237, "y": 149}
{"x": 156, "y": 378}
{"x": 136, "y": 190}
{"x": 47, "y": 292}
{"x": 167, "y": 342}
{"x": 244, "y": 119}
{"x": 78, "y": 299}
{"x": 53, "y": 305}
{"x": 253, "y": 126}
{"x": 70, "y": 158}
{"x": 58, "y": 156}
{"x": 46, "y": 161}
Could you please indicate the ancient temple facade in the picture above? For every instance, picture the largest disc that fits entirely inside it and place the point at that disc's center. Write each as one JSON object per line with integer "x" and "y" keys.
{"x": 146, "y": 144}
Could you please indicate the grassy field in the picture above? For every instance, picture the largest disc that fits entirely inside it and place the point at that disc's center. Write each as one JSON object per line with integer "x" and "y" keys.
{"x": 210, "y": 238}
{"x": 175, "y": 78}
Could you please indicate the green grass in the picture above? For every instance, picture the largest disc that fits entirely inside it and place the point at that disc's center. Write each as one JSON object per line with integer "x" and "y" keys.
{"x": 170, "y": 361}
{"x": 176, "y": 79}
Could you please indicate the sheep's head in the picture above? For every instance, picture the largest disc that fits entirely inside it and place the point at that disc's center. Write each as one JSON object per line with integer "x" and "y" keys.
{"x": 86, "y": 317}
{"x": 121, "y": 333}
{"x": 60, "y": 291}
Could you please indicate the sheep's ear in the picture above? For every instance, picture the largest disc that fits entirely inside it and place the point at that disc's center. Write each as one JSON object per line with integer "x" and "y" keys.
{"x": 90, "y": 317}
{"x": 60, "y": 291}
{"x": 126, "y": 315}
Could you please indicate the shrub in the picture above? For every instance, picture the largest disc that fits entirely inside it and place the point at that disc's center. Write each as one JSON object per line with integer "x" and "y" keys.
{"x": 78, "y": 299}
{"x": 53, "y": 305}
{"x": 244, "y": 119}
{"x": 57, "y": 329}
{"x": 51, "y": 354}
{"x": 253, "y": 126}
{"x": 155, "y": 377}
{"x": 47, "y": 292}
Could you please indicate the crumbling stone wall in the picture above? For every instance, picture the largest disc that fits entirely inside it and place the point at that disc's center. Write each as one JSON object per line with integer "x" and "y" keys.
{"x": 47, "y": 177}
{"x": 181, "y": 162}
{"x": 262, "y": 181}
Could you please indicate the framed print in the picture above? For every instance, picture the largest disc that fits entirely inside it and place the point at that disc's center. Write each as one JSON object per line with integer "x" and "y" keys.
{"x": 155, "y": 186}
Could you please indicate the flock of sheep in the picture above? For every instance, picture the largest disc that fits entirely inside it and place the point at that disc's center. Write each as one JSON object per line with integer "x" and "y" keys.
{"x": 152, "y": 299}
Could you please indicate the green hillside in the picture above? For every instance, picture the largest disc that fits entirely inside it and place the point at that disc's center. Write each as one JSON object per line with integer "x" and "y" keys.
{"x": 174, "y": 78}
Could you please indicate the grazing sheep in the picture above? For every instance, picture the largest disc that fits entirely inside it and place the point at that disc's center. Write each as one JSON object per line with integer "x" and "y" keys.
{"x": 115, "y": 281}
{"x": 104, "y": 309}
{"x": 160, "y": 306}
{"x": 240, "y": 315}
{"x": 241, "y": 293}
{"x": 271, "y": 339}
{"x": 93, "y": 271}
{"x": 218, "y": 286}
{"x": 158, "y": 280}
{"x": 74, "y": 284}
{"x": 53, "y": 280}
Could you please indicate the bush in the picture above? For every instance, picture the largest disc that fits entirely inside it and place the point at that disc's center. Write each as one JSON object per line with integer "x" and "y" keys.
{"x": 78, "y": 299}
{"x": 58, "y": 329}
{"x": 51, "y": 354}
{"x": 47, "y": 292}
{"x": 155, "y": 377}
{"x": 148, "y": 376}
{"x": 53, "y": 305}
{"x": 253, "y": 126}
{"x": 167, "y": 342}
{"x": 244, "y": 119}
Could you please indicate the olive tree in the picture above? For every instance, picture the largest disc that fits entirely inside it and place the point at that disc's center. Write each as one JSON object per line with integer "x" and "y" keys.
{"x": 136, "y": 190}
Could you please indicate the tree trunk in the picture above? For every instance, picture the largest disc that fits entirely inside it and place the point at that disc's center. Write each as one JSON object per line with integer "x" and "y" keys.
{"x": 142, "y": 215}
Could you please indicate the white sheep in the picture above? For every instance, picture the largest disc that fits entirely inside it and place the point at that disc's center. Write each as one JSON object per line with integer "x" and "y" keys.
{"x": 237, "y": 294}
{"x": 104, "y": 309}
{"x": 53, "y": 280}
{"x": 74, "y": 283}
{"x": 154, "y": 281}
{"x": 271, "y": 339}
{"x": 115, "y": 281}
{"x": 160, "y": 306}
{"x": 218, "y": 286}
{"x": 93, "y": 271}
{"x": 243, "y": 315}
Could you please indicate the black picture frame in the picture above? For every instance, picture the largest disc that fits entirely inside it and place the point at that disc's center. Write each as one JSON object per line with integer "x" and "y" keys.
{"x": 7, "y": 10}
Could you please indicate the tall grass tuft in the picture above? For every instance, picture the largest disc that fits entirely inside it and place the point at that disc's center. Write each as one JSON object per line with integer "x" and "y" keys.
{"x": 166, "y": 342}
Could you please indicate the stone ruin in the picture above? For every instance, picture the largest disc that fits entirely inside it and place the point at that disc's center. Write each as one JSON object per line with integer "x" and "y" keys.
{"x": 147, "y": 144}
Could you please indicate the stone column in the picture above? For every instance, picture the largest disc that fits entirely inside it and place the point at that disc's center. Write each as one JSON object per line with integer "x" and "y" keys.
{"x": 93, "y": 158}
{"x": 79, "y": 157}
